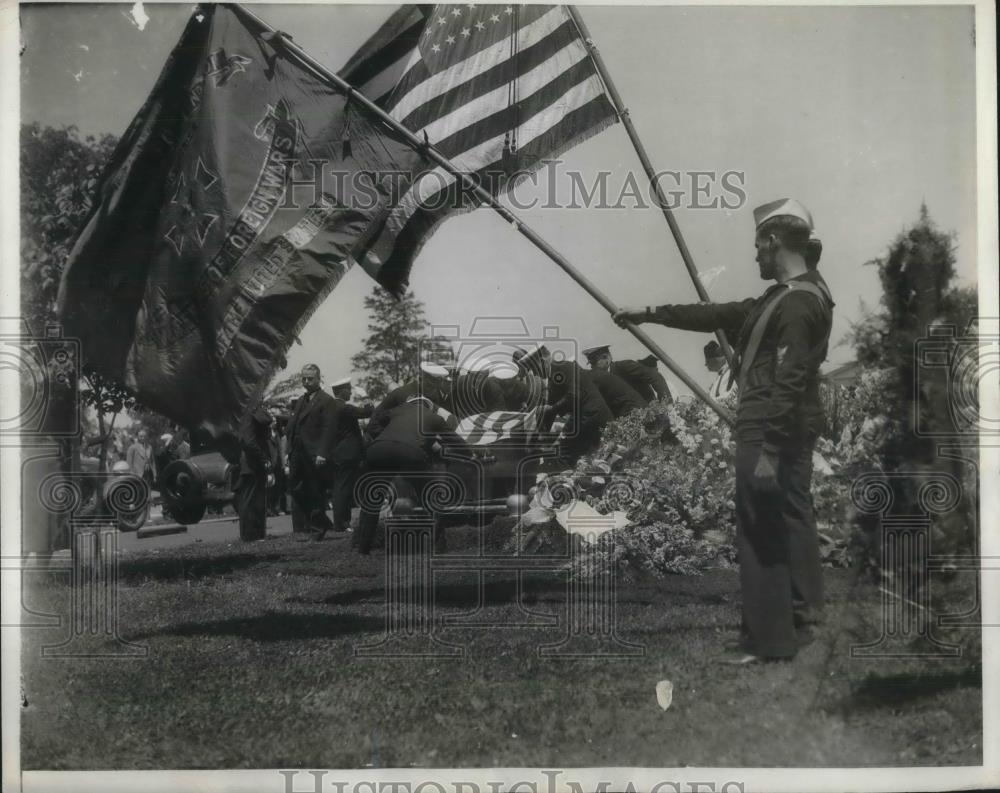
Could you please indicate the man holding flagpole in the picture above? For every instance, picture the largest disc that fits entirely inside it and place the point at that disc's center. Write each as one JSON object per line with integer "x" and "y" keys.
{"x": 782, "y": 340}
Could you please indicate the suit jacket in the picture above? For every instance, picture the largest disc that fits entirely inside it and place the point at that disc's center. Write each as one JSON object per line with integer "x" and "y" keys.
{"x": 348, "y": 445}
{"x": 312, "y": 426}
{"x": 618, "y": 394}
{"x": 646, "y": 380}
{"x": 139, "y": 458}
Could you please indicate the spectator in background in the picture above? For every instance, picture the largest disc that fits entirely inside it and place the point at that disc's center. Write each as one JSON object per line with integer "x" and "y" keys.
{"x": 140, "y": 458}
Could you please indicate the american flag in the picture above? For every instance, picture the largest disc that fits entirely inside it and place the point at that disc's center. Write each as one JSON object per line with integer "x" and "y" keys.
{"x": 482, "y": 429}
{"x": 496, "y": 88}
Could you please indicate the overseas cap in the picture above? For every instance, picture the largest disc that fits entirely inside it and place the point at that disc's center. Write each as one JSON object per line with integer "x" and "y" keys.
{"x": 783, "y": 206}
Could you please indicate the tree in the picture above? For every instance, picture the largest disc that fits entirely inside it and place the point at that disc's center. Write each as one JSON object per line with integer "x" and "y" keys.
{"x": 916, "y": 276}
{"x": 280, "y": 390}
{"x": 108, "y": 399}
{"x": 917, "y": 295}
{"x": 59, "y": 177}
{"x": 59, "y": 174}
{"x": 397, "y": 335}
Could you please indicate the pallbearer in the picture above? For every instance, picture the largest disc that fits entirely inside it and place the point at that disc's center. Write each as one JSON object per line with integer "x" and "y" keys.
{"x": 619, "y": 396}
{"x": 570, "y": 391}
{"x": 782, "y": 340}
{"x": 433, "y": 382}
{"x": 403, "y": 452}
{"x": 641, "y": 376}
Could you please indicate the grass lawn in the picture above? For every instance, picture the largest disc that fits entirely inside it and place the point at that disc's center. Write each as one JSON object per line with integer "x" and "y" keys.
{"x": 251, "y": 664}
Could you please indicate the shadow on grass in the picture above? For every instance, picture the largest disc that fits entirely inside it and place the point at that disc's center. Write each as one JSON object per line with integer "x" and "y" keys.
{"x": 276, "y": 627}
{"x": 466, "y": 594}
{"x": 134, "y": 571}
{"x": 881, "y": 691}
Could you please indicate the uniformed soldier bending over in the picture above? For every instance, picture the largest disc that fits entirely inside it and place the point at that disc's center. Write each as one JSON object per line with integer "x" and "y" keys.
{"x": 569, "y": 390}
{"x": 782, "y": 339}
{"x": 619, "y": 396}
{"x": 642, "y": 375}
{"x": 402, "y": 448}
{"x": 433, "y": 382}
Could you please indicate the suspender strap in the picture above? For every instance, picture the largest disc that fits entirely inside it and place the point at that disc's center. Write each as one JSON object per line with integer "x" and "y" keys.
{"x": 757, "y": 334}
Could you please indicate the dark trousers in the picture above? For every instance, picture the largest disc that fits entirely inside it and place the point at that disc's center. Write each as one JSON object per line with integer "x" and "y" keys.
{"x": 345, "y": 475}
{"x": 307, "y": 484}
{"x": 778, "y": 550}
{"x": 276, "y": 493}
{"x": 807, "y": 569}
{"x": 404, "y": 468}
{"x": 251, "y": 506}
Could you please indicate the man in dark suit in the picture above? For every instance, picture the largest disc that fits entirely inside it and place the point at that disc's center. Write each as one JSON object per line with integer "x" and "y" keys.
{"x": 255, "y": 463}
{"x": 348, "y": 451}
{"x": 311, "y": 430}
{"x": 642, "y": 376}
{"x": 783, "y": 337}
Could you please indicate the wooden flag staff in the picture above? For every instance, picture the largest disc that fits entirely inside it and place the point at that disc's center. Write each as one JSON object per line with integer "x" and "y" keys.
{"x": 472, "y": 185}
{"x": 647, "y": 166}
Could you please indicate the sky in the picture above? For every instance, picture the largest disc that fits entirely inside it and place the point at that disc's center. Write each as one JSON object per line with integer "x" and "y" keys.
{"x": 861, "y": 113}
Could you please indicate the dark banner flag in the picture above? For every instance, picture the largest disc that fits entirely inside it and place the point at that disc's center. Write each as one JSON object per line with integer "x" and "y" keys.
{"x": 226, "y": 215}
{"x": 498, "y": 89}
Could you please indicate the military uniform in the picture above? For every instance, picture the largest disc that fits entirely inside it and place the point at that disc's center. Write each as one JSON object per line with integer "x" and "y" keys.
{"x": 619, "y": 396}
{"x": 571, "y": 390}
{"x": 401, "y": 450}
{"x": 779, "y": 411}
{"x": 251, "y": 489}
{"x": 475, "y": 392}
{"x": 645, "y": 380}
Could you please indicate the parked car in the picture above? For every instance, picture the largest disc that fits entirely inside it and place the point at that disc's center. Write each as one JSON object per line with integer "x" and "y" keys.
{"x": 190, "y": 486}
{"x": 116, "y": 495}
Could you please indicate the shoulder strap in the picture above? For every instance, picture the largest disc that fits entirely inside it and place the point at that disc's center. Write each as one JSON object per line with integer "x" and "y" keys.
{"x": 757, "y": 334}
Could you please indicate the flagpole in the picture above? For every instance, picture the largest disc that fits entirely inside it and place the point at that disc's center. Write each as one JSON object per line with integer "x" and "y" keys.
{"x": 647, "y": 166}
{"x": 473, "y": 186}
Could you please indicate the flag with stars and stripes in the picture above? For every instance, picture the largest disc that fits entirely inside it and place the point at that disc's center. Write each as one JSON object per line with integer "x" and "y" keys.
{"x": 482, "y": 429}
{"x": 210, "y": 242}
{"x": 496, "y": 88}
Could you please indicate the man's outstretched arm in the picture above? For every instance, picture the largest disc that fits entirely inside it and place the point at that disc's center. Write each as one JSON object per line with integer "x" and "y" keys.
{"x": 702, "y": 317}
